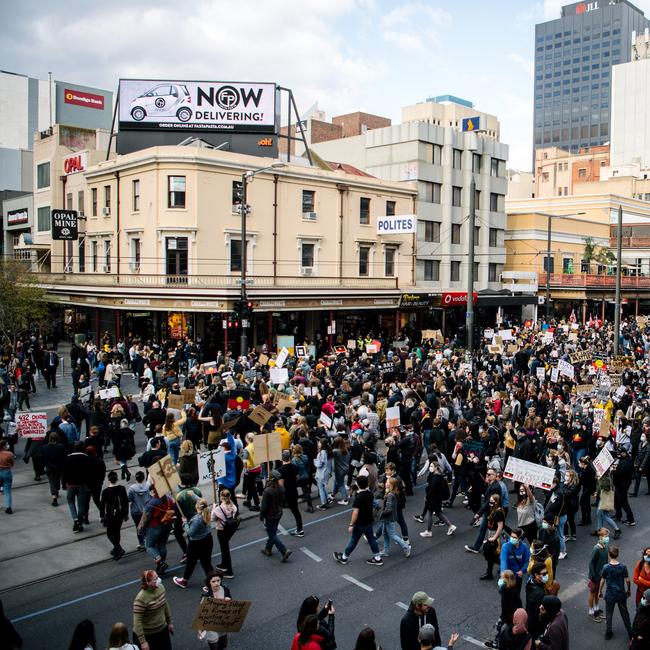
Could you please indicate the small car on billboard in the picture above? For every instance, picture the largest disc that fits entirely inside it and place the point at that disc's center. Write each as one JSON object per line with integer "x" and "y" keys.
{"x": 163, "y": 100}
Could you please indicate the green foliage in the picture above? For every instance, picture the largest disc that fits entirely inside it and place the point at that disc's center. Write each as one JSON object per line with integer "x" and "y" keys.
{"x": 23, "y": 303}
{"x": 599, "y": 255}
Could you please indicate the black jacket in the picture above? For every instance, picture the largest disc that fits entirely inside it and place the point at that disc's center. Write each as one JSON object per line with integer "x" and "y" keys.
{"x": 114, "y": 504}
{"x": 76, "y": 470}
{"x": 54, "y": 457}
{"x": 272, "y": 501}
{"x": 534, "y": 595}
{"x": 409, "y": 628}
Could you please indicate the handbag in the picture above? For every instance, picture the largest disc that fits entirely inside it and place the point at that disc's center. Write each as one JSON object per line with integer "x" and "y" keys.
{"x": 606, "y": 502}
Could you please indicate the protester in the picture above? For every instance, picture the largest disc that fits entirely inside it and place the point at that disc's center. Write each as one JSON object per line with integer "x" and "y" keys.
{"x": 199, "y": 548}
{"x": 138, "y": 495}
{"x": 119, "y": 638}
{"x": 157, "y": 522}
{"x": 270, "y": 515}
{"x": 114, "y": 511}
{"x": 325, "y": 617}
{"x": 641, "y": 624}
{"x": 152, "y": 619}
{"x": 556, "y": 634}
{"x": 214, "y": 588}
{"x": 7, "y": 461}
{"x": 419, "y": 613}
{"x": 226, "y": 520}
{"x": 617, "y": 580}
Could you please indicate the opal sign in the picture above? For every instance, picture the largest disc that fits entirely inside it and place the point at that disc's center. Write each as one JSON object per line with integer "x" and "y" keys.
{"x": 400, "y": 225}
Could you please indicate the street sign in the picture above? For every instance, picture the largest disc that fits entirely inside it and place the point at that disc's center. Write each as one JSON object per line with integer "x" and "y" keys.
{"x": 472, "y": 123}
{"x": 64, "y": 225}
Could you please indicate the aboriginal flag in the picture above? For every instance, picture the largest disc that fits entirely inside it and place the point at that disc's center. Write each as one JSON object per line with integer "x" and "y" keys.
{"x": 239, "y": 399}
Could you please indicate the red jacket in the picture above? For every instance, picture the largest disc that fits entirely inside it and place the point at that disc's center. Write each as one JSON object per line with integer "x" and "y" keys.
{"x": 313, "y": 644}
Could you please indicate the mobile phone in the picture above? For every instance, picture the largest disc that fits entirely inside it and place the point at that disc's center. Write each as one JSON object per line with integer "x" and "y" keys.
{"x": 329, "y": 605}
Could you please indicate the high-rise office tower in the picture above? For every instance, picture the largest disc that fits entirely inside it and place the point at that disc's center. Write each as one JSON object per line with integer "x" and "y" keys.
{"x": 574, "y": 55}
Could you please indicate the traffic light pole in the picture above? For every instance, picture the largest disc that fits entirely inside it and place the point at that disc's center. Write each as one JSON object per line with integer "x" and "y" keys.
{"x": 469, "y": 314}
{"x": 243, "y": 347}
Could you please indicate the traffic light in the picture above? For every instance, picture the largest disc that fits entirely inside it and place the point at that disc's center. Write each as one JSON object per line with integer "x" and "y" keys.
{"x": 246, "y": 309}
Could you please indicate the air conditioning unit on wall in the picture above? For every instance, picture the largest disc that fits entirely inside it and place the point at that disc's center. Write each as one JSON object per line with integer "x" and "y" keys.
{"x": 307, "y": 270}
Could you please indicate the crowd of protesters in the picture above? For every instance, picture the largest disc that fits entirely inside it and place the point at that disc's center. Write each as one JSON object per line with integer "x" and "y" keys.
{"x": 364, "y": 423}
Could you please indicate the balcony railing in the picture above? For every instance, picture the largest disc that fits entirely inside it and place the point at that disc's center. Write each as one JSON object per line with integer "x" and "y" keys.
{"x": 213, "y": 281}
{"x": 589, "y": 281}
{"x": 631, "y": 242}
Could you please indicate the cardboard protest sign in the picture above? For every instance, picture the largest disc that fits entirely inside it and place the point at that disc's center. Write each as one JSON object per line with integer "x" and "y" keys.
{"x": 352, "y": 344}
{"x": 188, "y": 395}
{"x": 615, "y": 381}
{"x": 284, "y": 404}
{"x": 603, "y": 462}
{"x": 541, "y": 373}
{"x": 279, "y": 375}
{"x": 371, "y": 348}
{"x": 228, "y": 424}
{"x": 555, "y": 375}
{"x": 175, "y": 402}
{"x": 325, "y": 419}
{"x": 581, "y": 356}
{"x": 263, "y": 360}
{"x": 85, "y": 393}
{"x": 506, "y": 335}
{"x": 260, "y": 415}
{"x": 392, "y": 417}
{"x": 585, "y": 389}
{"x": 31, "y": 425}
{"x": 565, "y": 368}
{"x": 267, "y": 447}
{"x": 212, "y": 465}
{"x": 408, "y": 364}
{"x": 216, "y": 615}
{"x": 164, "y": 476}
{"x": 494, "y": 349}
{"x": 497, "y": 340}
{"x": 301, "y": 351}
{"x": 512, "y": 349}
{"x": 573, "y": 336}
{"x": 428, "y": 334}
{"x": 604, "y": 428}
{"x": 529, "y": 473}
{"x": 109, "y": 393}
{"x": 281, "y": 357}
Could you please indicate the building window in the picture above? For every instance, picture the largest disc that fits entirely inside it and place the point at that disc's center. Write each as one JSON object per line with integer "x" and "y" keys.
{"x": 389, "y": 261}
{"x": 93, "y": 256}
{"x": 477, "y": 270}
{"x": 307, "y": 255}
{"x": 455, "y": 196}
{"x": 494, "y": 272}
{"x": 107, "y": 197}
{"x": 545, "y": 177}
{"x": 552, "y": 264}
{"x": 107, "y": 256}
{"x": 136, "y": 196}
{"x": 437, "y": 154}
{"x": 432, "y": 270}
{"x": 82, "y": 254}
{"x": 390, "y": 208}
{"x": 582, "y": 172}
{"x": 42, "y": 175}
{"x": 176, "y": 192}
{"x": 81, "y": 202}
{"x": 364, "y": 210}
{"x": 308, "y": 201}
{"x": 584, "y": 266}
{"x": 567, "y": 265}
{"x": 494, "y": 167}
{"x": 176, "y": 259}
{"x": 494, "y": 238}
{"x": 235, "y": 255}
{"x": 455, "y": 272}
{"x": 43, "y": 218}
{"x": 93, "y": 194}
{"x": 135, "y": 254}
{"x": 455, "y": 233}
{"x": 432, "y": 231}
{"x": 477, "y": 235}
{"x": 477, "y": 199}
{"x": 432, "y": 192}
{"x": 494, "y": 202}
{"x": 237, "y": 193}
{"x": 364, "y": 260}
{"x": 476, "y": 163}
{"x": 457, "y": 158}
{"x": 68, "y": 201}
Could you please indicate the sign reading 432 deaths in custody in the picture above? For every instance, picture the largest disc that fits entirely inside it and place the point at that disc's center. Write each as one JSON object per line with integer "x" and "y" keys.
{"x": 198, "y": 105}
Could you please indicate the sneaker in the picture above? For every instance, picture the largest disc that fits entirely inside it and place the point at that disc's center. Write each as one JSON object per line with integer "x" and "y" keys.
{"x": 324, "y": 506}
{"x": 266, "y": 551}
{"x": 451, "y": 530}
{"x": 119, "y": 554}
{"x": 562, "y": 556}
{"x": 374, "y": 562}
{"x": 631, "y": 523}
{"x": 180, "y": 582}
{"x": 617, "y": 533}
{"x": 418, "y": 518}
{"x": 9, "y": 511}
{"x": 254, "y": 508}
{"x": 384, "y": 554}
{"x": 55, "y": 502}
{"x": 343, "y": 502}
{"x": 184, "y": 558}
{"x": 340, "y": 559}
{"x": 162, "y": 567}
{"x": 426, "y": 533}
{"x": 140, "y": 547}
{"x": 487, "y": 576}
{"x": 471, "y": 549}
{"x": 407, "y": 551}
{"x": 439, "y": 523}
{"x": 228, "y": 574}
{"x": 490, "y": 644}
{"x": 297, "y": 533}
{"x": 596, "y": 617}
{"x": 286, "y": 555}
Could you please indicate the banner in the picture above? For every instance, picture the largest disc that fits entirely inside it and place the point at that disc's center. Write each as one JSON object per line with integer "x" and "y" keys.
{"x": 529, "y": 473}
{"x": 603, "y": 462}
{"x": 392, "y": 417}
{"x": 565, "y": 368}
{"x": 281, "y": 358}
{"x": 31, "y": 425}
{"x": 216, "y": 615}
{"x": 212, "y": 465}
{"x": 581, "y": 356}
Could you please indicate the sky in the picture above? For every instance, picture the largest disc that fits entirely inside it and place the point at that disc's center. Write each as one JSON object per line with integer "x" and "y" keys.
{"x": 346, "y": 55}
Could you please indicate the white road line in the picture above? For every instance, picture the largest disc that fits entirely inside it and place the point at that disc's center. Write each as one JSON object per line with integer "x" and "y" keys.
{"x": 309, "y": 553}
{"x": 354, "y": 581}
{"x": 402, "y": 605}
{"x": 474, "y": 641}
{"x": 283, "y": 530}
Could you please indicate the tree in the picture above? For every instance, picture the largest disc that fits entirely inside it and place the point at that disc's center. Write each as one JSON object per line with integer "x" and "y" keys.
{"x": 23, "y": 303}
{"x": 594, "y": 253}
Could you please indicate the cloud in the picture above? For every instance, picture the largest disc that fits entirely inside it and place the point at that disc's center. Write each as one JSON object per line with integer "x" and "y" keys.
{"x": 527, "y": 65}
{"x": 414, "y": 26}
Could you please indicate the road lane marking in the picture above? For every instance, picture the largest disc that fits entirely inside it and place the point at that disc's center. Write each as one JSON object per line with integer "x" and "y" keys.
{"x": 470, "y": 639}
{"x": 283, "y": 530}
{"x": 309, "y": 553}
{"x": 354, "y": 581}
{"x": 402, "y": 605}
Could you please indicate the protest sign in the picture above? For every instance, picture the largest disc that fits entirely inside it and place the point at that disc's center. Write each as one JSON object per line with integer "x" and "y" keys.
{"x": 223, "y": 616}
{"x": 175, "y": 402}
{"x": 585, "y": 389}
{"x": 565, "y": 368}
{"x": 263, "y": 360}
{"x": 541, "y": 373}
{"x": 428, "y": 334}
{"x": 164, "y": 476}
{"x": 408, "y": 364}
{"x": 31, "y": 425}
{"x": 620, "y": 392}
{"x": 392, "y": 417}
{"x": 371, "y": 348}
{"x": 188, "y": 395}
{"x": 268, "y": 447}
{"x": 497, "y": 340}
{"x": 488, "y": 334}
{"x": 212, "y": 466}
{"x": 352, "y": 344}
{"x": 615, "y": 381}
{"x": 281, "y": 357}
{"x": 326, "y": 420}
{"x": 494, "y": 349}
{"x": 512, "y": 349}
{"x": 228, "y": 424}
{"x": 301, "y": 351}
{"x": 581, "y": 356}
{"x": 506, "y": 335}
{"x": 279, "y": 375}
{"x": 85, "y": 393}
{"x": 603, "y": 461}
{"x": 284, "y": 404}
{"x": 109, "y": 393}
{"x": 260, "y": 415}
{"x": 388, "y": 366}
{"x": 573, "y": 336}
{"x": 529, "y": 473}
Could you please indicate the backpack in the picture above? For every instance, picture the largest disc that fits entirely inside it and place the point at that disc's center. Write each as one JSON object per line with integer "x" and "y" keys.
{"x": 231, "y": 523}
{"x": 114, "y": 510}
{"x": 539, "y": 513}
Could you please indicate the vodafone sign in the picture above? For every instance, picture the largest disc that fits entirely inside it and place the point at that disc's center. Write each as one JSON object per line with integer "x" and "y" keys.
{"x": 78, "y": 162}
{"x": 456, "y": 299}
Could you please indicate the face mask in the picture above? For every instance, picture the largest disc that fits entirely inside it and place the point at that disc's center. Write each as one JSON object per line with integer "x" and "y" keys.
{"x": 599, "y": 443}
{"x": 501, "y": 582}
{"x": 560, "y": 447}
{"x": 643, "y": 438}
{"x": 545, "y": 525}
{"x": 545, "y": 578}
{"x": 522, "y": 494}
{"x": 604, "y": 541}
{"x": 158, "y": 581}
{"x": 646, "y": 558}
{"x": 514, "y": 540}
{"x": 644, "y": 602}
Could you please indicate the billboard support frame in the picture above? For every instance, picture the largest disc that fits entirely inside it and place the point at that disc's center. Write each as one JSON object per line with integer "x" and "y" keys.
{"x": 115, "y": 110}
{"x": 291, "y": 102}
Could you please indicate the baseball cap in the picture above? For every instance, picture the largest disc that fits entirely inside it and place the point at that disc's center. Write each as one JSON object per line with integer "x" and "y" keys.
{"x": 427, "y": 633}
{"x": 275, "y": 475}
{"x": 422, "y": 598}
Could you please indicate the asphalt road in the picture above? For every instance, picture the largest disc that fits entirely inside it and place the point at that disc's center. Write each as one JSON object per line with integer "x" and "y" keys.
{"x": 46, "y": 612}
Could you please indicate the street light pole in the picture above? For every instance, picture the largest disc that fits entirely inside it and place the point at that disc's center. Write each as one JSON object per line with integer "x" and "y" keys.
{"x": 619, "y": 264}
{"x": 469, "y": 314}
{"x": 548, "y": 271}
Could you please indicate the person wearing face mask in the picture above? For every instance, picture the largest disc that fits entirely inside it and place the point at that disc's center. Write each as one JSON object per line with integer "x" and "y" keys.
{"x": 549, "y": 537}
{"x": 152, "y": 618}
{"x": 641, "y": 624}
{"x": 622, "y": 479}
{"x": 641, "y": 577}
{"x": 606, "y": 503}
{"x": 641, "y": 464}
{"x": 556, "y": 634}
{"x": 510, "y": 602}
{"x": 539, "y": 553}
{"x": 535, "y": 593}
{"x": 589, "y": 486}
{"x": 515, "y": 555}
{"x": 597, "y": 562}
{"x": 526, "y": 512}
{"x": 492, "y": 545}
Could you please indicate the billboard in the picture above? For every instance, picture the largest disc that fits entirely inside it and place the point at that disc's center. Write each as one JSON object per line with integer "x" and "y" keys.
{"x": 197, "y": 106}
{"x": 64, "y": 225}
{"x": 397, "y": 225}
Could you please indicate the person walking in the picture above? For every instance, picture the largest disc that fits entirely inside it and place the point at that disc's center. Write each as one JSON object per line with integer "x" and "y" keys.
{"x": 114, "y": 511}
{"x": 188, "y": 461}
{"x": 152, "y": 618}
{"x": 173, "y": 432}
{"x": 325, "y": 616}
{"x": 641, "y": 464}
{"x": 606, "y": 503}
{"x": 289, "y": 481}
{"x": 492, "y": 546}
{"x": 226, "y": 521}
{"x": 215, "y": 589}
{"x": 597, "y": 562}
{"x": 437, "y": 491}
{"x": 270, "y": 515}
{"x": 124, "y": 447}
{"x": 510, "y": 603}
{"x": 526, "y": 512}
{"x": 252, "y": 474}
{"x": 641, "y": 576}
{"x": 7, "y": 461}
{"x": 118, "y": 638}
{"x": 54, "y": 454}
{"x": 157, "y": 522}
{"x": 641, "y": 624}
{"x": 341, "y": 458}
{"x": 492, "y": 488}
{"x": 361, "y": 523}
{"x": 76, "y": 478}
{"x": 199, "y": 547}
{"x": 97, "y": 475}
{"x": 323, "y": 465}
{"x": 589, "y": 486}
{"x": 556, "y": 634}
{"x": 138, "y": 495}
{"x": 622, "y": 476}
{"x": 617, "y": 580}
{"x": 389, "y": 518}
{"x": 535, "y": 592}
{"x": 301, "y": 462}
{"x": 419, "y": 613}
{"x": 515, "y": 556}
{"x": 516, "y": 636}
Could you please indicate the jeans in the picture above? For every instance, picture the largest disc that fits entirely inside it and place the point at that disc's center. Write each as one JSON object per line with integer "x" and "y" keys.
{"x": 577, "y": 455}
{"x": 339, "y": 485}
{"x": 560, "y": 532}
{"x": 271, "y": 526}
{"x": 6, "y": 480}
{"x": 156, "y": 541}
{"x": 77, "y": 497}
{"x": 357, "y": 533}
{"x": 459, "y": 482}
{"x": 199, "y": 550}
{"x": 322, "y": 490}
{"x": 637, "y": 480}
{"x": 481, "y": 533}
{"x": 604, "y": 520}
{"x": 390, "y": 533}
{"x": 224, "y": 545}
{"x": 54, "y": 477}
{"x": 173, "y": 447}
{"x": 609, "y": 613}
{"x": 621, "y": 503}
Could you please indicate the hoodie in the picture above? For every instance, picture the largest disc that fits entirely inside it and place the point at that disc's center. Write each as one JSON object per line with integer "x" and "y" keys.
{"x": 138, "y": 495}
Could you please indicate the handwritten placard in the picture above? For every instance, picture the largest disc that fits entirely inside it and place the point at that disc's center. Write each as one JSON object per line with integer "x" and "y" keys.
{"x": 268, "y": 447}
{"x": 31, "y": 425}
{"x": 188, "y": 395}
{"x": 164, "y": 476}
{"x": 529, "y": 473}
{"x": 223, "y": 616}
{"x": 175, "y": 402}
{"x": 581, "y": 356}
{"x": 603, "y": 461}
{"x": 260, "y": 415}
